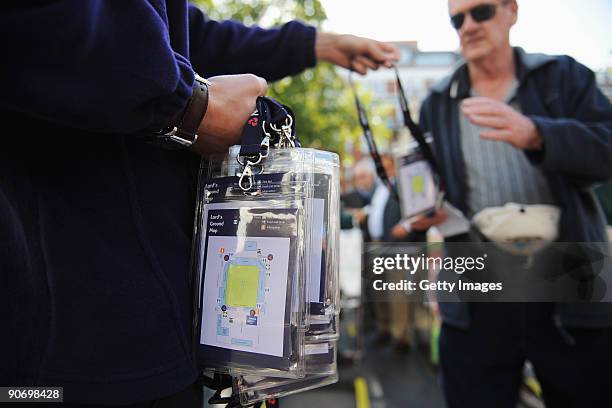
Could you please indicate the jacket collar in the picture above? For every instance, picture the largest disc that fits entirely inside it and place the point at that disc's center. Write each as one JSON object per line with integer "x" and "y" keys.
{"x": 458, "y": 86}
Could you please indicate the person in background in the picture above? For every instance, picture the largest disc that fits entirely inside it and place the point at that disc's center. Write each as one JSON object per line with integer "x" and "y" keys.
{"x": 509, "y": 126}
{"x": 355, "y": 209}
{"x": 392, "y": 314}
{"x": 106, "y": 121}
{"x": 384, "y": 211}
{"x": 356, "y": 203}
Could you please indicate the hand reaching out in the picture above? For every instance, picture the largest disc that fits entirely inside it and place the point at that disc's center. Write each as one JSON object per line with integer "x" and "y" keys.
{"x": 354, "y": 52}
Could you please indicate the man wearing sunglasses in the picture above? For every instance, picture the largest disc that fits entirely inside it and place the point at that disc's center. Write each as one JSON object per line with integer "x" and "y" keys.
{"x": 511, "y": 126}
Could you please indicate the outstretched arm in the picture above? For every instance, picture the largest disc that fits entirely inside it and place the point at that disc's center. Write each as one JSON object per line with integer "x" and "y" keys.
{"x": 228, "y": 47}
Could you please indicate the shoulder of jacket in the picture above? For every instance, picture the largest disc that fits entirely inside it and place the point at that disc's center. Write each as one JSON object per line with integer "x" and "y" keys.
{"x": 543, "y": 64}
{"x": 444, "y": 85}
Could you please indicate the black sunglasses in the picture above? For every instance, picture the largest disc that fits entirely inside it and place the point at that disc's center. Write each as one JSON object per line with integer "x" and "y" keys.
{"x": 479, "y": 14}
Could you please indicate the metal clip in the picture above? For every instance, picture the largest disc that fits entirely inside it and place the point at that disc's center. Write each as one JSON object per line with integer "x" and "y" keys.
{"x": 265, "y": 147}
{"x": 246, "y": 181}
{"x": 286, "y": 137}
{"x": 290, "y": 139}
{"x": 246, "y": 177}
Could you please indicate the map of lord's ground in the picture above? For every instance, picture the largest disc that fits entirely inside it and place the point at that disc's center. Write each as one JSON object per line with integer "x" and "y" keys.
{"x": 245, "y": 293}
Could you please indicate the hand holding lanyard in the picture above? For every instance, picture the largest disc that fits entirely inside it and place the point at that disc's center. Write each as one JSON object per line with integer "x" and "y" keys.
{"x": 272, "y": 123}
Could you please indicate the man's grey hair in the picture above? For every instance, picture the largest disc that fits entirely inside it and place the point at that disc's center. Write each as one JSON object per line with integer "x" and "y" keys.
{"x": 365, "y": 165}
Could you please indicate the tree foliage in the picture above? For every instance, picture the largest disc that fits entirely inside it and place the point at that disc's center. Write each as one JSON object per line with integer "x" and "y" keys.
{"x": 320, "y": 97}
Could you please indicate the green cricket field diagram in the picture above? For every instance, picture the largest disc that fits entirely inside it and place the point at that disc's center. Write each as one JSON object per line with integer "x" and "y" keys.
{"x": 242, "y": 285}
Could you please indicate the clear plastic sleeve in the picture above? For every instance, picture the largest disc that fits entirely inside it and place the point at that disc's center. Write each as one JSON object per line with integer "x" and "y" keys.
{"x": 321, "y": 365}
{"x": 289, "y": 218}
{"x": 253, "y": 390}
{"x": 299, "y": 163}
{"x": 321, "y": 357}
{"x": 251, "y": 256}
{"x": 321, "y": 169}
{"x": 324, "y": 305}
{"x": 417, "y": 184}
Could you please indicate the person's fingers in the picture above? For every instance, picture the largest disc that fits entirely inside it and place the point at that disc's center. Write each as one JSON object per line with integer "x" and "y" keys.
{"x": 426, "y": 222}
{"x": 500, "y": 135}
{"x": 392, "y": 54}
{"x": 341, "y": 59}
{"x": 247, "y": 83}
{"x": 390, "y": 49}
{"x": 375, "y": 51}
{"x": 232, "y": 98}
{"x": 359, "y": 67}
{"x": 382, "y": 52}
{"x": 479, "y": 100}
{"x": 420, "y": 223}
{"x": 367, "y": 62}
{"x": 342, "y": 49}
{"x": 263, "y": 86}
{"x": 253, "y": 84}
{"x": 495, "y": 122}
{"x": 441, "y": 216}
{"x": 482, "y": 108}
{"x": 399, "y": 233}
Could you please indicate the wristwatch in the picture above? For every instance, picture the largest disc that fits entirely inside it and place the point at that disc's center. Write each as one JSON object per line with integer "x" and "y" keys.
{"x": 183, "y": 133}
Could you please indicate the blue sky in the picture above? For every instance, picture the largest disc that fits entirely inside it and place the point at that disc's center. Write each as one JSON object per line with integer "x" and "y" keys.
{"x": 580, "y": 28}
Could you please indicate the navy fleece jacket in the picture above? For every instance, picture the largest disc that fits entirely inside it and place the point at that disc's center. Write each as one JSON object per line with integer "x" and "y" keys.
{"x": 95, "y": 224}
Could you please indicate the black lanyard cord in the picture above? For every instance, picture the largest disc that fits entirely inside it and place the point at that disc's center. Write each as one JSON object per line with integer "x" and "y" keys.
{"x": 415, "y": 130}
{"x": 369, "y": 137}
